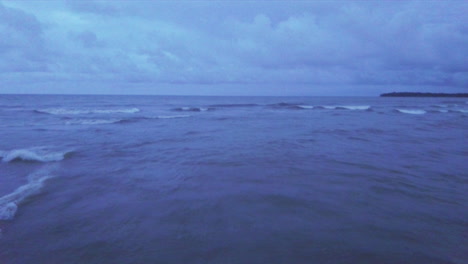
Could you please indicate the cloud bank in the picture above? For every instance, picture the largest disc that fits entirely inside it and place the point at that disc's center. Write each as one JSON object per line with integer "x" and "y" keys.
{"x": 224, "y": 47}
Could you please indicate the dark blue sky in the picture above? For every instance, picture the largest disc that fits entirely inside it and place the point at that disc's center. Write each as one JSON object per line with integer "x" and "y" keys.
{"x": 233, "y": 48}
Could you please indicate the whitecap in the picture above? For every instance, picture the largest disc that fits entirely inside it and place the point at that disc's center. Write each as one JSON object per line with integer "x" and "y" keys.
{"x": 172, "y": 116}
{"x": 34, "y": 154}
{"x": 10, "y": 202}
{"x": 356, "y": 107}
{"x": 92, "y": 121}
{"x": 347, "y": 107}
{"x": 67, "y": 111}
{"x": 328, "y": 107}
{"x": 411, "y": 111}
{"x": 192, "y": 109}
{"x": 306, "y": 106}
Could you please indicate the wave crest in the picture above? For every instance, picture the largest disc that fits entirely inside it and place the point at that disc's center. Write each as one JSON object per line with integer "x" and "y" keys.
{"x": 66, "y": 111}
{"x": 9, "y": 203}
{"x": 411, "y": 111}
{"x": 234, "y": 105}
{"x": 93, "y": 121}
{"x": 172, "y": 116}
{"x": 193, "y": 109}
{"x": 32, "y": 155}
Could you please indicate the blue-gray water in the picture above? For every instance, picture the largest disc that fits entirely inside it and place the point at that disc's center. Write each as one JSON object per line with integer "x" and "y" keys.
{"x": 152, "y": 179}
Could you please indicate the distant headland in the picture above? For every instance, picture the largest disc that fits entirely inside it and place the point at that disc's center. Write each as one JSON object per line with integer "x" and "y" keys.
{"x": 408, "y": 94}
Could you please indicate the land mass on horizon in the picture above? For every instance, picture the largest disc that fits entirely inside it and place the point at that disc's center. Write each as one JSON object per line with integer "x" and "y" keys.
{"x": 412, "y": 94}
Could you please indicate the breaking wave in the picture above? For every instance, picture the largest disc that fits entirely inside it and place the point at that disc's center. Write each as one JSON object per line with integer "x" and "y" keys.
{"x": 329, "y": 107}
{"x": 10, "y": 202}
{"x": 193, "y": 109}
{"x": 93, "y": 121}
{"x": 306, "y": 106}
{"x": 172, "y": 116}
{"x": 33, "y": 155}
{"x": 66, "y": 111}
{"x": 233, "y": 105}
{"x": 348, "y": 107}
{"x": 411, "y": 111}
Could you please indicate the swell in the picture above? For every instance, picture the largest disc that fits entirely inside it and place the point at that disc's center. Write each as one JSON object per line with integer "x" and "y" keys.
{"x": 192, "y": 109}
{"x": 71, "y": 111}
{"x": 82, "y": 121}
{"x": 233, "y": 105}
{"x": 297, "y": 106}
{"x": 410, "y": 111}
{"x": 33, "y": 155}
{"x": 10, "y": 202}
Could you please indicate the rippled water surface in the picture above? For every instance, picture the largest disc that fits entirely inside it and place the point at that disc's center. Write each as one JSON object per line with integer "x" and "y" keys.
{"x": 152, "y": 179}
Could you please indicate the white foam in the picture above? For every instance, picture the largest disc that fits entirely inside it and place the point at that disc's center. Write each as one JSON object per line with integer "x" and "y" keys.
{"x": 192, "y": 109}
{"x": 411, "y": 111}
{"x": 9, "y": 203}
{"x": 356, "y": 107}
{"x": 66, "y": 111}
{"x": 34, "y": 154}
{"x": 348, "y": 107}
{"x": 306, "y": 106}
{"x": 172, "y": 116}
{"x": 329, "y": 107}
{"x": 92, "y": 121}
{"x": 462, "y": 110}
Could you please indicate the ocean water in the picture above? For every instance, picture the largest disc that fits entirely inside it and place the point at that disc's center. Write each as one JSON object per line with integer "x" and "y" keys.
{"x": 155, "y": 179}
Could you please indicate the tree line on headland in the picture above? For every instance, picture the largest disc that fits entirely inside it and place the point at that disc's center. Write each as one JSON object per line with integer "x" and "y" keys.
{"x": 410, "y": 94}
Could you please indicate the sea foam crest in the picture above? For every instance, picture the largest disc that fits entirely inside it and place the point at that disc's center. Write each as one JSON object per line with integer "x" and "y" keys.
{"x": 348, "y": 107}
{"x": 411, "y": 111}
{"x": 10, "y": 202}
{"x": 35, "y": 154}
{"x": 306, "y": 106}
{"x": 66, "y": 111}
{"x": 92, "y": 121}
{"x": 192, "y": 109}
{"x": 172, "y": 116}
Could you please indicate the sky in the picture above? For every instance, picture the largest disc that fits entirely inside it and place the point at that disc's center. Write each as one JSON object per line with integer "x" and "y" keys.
{"x": 233, "y": 47}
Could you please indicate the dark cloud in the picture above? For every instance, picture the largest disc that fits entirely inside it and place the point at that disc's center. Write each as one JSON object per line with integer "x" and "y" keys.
{"x": 21, "y": 42}
{"x": 245, "y": 43}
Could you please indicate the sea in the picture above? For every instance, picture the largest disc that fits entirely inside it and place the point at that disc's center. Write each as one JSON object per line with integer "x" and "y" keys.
{"x": 173, "y": 179}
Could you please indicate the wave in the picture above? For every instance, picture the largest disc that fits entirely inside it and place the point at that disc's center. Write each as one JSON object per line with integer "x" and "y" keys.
{"x": 307, "y": 106}
{"x": 441, "y": 105}
{"x": 193, "y": 109}
{"x": 347, "y": 107}
{"x": 65, "y": 111}
{"x": 234, "y": 105}
{"x": 459, "y": 110}
{"x": 411, "y": 111}
{"x": 329, "y": 107}
{"x": 10, "y": 202}
{"x": 438, "y": 111}
{"x": 285, "y": 105}
{"x": 119, "y": 121}
{"x": 33, "y": 155}
{"x": 93, "y": 121}
{"x": 172, "y": 116}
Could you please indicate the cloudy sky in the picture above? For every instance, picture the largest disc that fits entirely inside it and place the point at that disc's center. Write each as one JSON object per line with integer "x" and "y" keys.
{"x": 233, "y": 48}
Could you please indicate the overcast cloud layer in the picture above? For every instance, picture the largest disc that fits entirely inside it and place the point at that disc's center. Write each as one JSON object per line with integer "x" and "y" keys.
{"x": 224, "y": 47}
